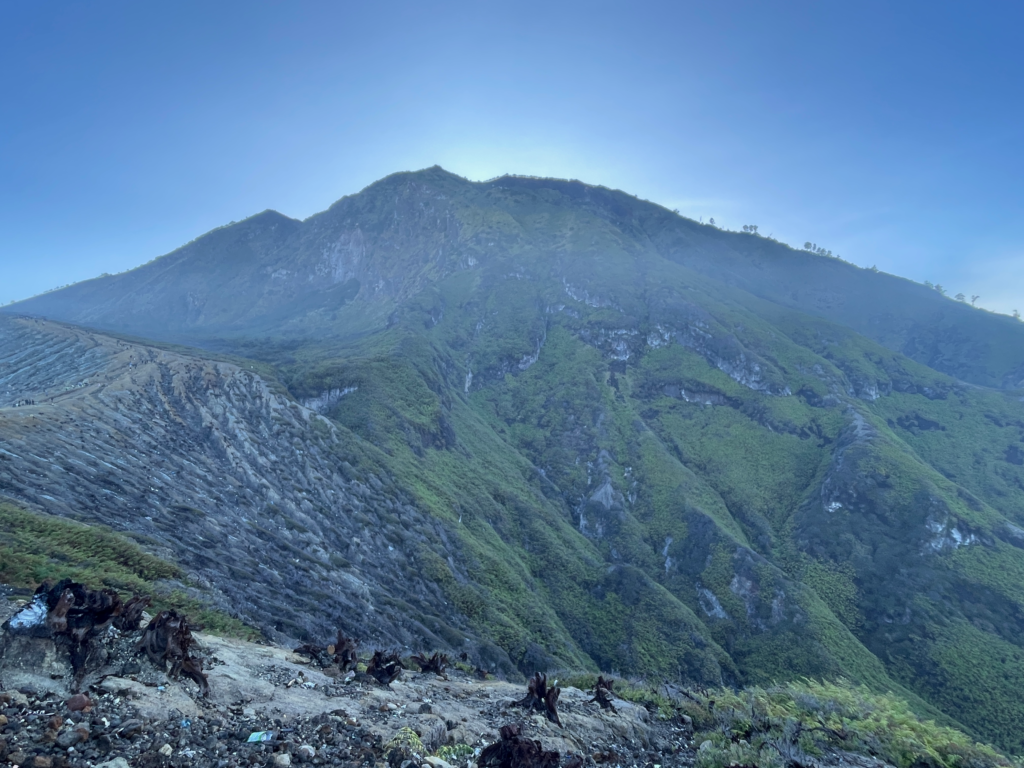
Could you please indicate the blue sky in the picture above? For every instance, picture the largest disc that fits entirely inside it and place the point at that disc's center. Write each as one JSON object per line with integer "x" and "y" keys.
{"x": 890, "y": 133}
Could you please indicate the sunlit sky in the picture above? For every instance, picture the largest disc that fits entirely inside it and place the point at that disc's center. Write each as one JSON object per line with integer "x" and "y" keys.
{"x": 890, "y": 133}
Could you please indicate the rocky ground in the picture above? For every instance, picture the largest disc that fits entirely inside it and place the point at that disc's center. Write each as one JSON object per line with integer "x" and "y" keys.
{"x": 129, "y": 712}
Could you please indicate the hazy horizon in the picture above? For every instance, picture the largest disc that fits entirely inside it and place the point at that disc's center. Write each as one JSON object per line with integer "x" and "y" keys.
{"x": 887, "y": 135}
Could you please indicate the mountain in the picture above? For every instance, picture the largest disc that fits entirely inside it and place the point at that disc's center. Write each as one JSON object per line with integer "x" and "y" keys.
{"x": 557, "y": 427}
{"x": 272, "y": 274}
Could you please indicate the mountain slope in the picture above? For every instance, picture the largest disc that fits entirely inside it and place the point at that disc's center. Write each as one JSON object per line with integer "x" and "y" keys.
{"x": 607, "y": 437}
{"x": 270, "y": 273}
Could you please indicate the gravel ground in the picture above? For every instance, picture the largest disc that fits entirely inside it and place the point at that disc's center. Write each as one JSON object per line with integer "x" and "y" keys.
{"x": 130, "y": 713}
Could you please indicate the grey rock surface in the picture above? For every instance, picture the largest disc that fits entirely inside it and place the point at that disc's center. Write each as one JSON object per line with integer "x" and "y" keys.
{"x": 207, "y": 465}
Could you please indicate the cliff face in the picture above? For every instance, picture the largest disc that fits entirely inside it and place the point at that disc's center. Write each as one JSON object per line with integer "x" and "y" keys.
{"x": 562, "y": 424}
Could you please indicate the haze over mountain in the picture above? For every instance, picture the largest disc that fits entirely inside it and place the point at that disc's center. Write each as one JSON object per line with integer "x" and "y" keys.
{"x": 557, "y": 426}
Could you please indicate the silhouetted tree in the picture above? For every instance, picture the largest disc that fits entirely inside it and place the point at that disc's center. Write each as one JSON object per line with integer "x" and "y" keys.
{"x": 960, "y": 297}
{"x": 940, "y": 289}
{"x": 974, "y": 299}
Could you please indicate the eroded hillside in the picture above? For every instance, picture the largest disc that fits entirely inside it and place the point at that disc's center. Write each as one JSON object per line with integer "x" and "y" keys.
{"x": 249, "y": 491}
{"x": 563, "y": 424}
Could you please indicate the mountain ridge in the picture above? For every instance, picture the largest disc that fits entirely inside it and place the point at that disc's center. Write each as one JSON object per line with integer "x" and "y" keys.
{"x": 824, "y": 286}
{"x": 619, "y": 441}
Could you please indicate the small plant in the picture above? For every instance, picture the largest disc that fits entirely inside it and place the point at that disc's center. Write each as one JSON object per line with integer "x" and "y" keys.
{"x": 455, "y": 753}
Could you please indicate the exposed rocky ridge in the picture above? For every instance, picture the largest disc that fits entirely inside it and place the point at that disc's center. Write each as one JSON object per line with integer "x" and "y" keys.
{"x": 249, "y": 491}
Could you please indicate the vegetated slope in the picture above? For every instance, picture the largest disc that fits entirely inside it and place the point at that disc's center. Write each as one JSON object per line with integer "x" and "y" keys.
{"x": 293, "y": 519}
{"x": 35, "y": 547}
{"x": 640, "y": 462}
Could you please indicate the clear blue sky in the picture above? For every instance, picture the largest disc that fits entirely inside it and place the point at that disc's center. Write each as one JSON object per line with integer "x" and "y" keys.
{"x": 889, "y": 132}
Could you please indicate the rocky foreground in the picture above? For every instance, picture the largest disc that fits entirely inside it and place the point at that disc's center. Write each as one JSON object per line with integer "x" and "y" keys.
{"x": 271, "y": 706}
{"x": 138, "y": 715}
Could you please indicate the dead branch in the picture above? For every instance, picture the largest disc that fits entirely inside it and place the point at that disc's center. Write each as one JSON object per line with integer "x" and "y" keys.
{"x": 318, "y": 654}
{"x": 540, "y": 698}
{"x": 515, "y": 751}
{"x": 603, "y": 693}
{"x": 436, "y": 663}
{"x": 345, "y": 652}
{"x": 131, "y": 615}
{"x": 168, "y": 638}
{"x": 76, "y": 614}
{"x": 384, "y": 667}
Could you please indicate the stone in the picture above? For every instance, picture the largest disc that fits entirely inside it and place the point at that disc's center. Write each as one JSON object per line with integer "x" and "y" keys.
{"x": 282, "y": 760}
{"x": 79, "y": 703}
{"x": 166, "y": 750}
{"x": 248, "y": 712}
{"x": 305, "y": 752}
{"x": 3, "y": 720}
{"x": 437, "y": 762}
{"x": 34, "y": 663}
{"x": 17, "y": 758}
{"x": 705, "y": 745}
{"x": 68, "y": 739}
{"x": 42, "y": 761}
{"x": 425, "y": 709}
{"x": 117, "y": 762}
{"x": 129, "y": 728}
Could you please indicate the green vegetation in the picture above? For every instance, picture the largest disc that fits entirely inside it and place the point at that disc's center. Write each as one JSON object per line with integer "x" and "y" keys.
{"x": 772, "y": 726}
{"x": 650, "y": 446}
{"x": 36, "y": 547}
{"x": 779, "y": 724}
{"x": 664, "y": 515}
